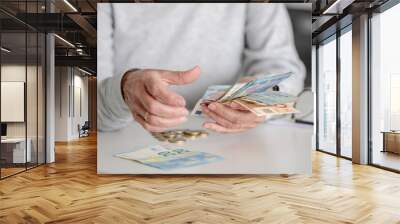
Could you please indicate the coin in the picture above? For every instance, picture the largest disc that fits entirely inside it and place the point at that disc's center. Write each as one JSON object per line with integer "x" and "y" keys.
{"x": 179, "y": 132}
{"x": 191, "y": 133}
{"x": 162, "y": 139}
{"x": 203, "y": 134}
{"x": 178, "y": 141}
{"x": 179, "y": 136}
{"x": 196, "y": 133}
{"x": 169, "y": 134}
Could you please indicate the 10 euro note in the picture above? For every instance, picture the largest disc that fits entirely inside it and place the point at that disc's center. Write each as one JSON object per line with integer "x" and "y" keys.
{"x": 168, "y": 157}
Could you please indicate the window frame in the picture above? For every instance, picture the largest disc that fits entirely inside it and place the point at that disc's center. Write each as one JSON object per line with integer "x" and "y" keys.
{"x": 378, "y": 10}
{"x": 333, "y": 37}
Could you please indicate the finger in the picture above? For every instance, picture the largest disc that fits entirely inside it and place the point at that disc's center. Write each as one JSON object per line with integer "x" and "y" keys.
{"x": 246, "y": 79}
{"x": 218, "y": 128}
{"x": 260, "y": 119}
{"x": 159, "y": 90}
{"x": 156, "y": 120}
{"x": 180, "y": 77}
{"x": 232, "y": 115}
{"x": 237, "y": 106}
{"x": 146, "y": 125}
{"x": 220, "y": 120}
{"x": 226, "y": 123}
{"x": 155, "y": 107}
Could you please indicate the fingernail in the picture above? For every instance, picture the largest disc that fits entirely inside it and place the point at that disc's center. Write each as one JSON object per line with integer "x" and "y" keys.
{"x": 212, "y": 106}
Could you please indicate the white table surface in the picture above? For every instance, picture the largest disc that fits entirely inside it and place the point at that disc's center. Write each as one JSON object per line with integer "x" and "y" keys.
{"x": 276, "y": 147}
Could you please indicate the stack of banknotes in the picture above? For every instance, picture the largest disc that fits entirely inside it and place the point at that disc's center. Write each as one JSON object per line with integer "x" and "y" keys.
{"x": 255, "y": 95}
{"x": 169, "y": 157}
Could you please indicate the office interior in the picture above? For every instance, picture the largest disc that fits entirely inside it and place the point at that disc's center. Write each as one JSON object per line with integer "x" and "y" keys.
{"x": 48, "y": 95}
{"x": 48, "y": 106}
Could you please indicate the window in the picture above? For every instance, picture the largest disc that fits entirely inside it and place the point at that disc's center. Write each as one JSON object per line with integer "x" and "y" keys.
{"x": 385, "y": 89}
{"x": 346, "y": 93}
{"x": 327, "y": 96}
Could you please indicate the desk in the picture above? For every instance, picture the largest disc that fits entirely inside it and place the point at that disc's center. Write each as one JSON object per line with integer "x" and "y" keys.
{"x": 272, "y": 148}
{"x": 17, "y": 151}
{"x": 391, "y": 141}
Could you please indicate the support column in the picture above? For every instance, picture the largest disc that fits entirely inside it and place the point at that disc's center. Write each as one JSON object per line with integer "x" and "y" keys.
{"x": 50, "y": 106}
{"x": 50, "y": 91}
{"x": 360, "y": 90}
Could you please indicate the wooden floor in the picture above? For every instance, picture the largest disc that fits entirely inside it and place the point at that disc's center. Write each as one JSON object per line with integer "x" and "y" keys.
{"x": 70, "y": 191}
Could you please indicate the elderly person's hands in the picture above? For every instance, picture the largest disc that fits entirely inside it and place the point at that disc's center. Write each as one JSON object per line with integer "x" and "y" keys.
{"x": 230, "y": 117}
{"x": 152, "y": 104}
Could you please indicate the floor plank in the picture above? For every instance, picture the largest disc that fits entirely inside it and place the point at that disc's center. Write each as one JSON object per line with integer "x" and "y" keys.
{"x": 70, "y": 191}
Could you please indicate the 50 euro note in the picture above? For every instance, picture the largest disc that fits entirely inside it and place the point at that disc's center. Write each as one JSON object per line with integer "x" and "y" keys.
{"x": 266, "y": 110}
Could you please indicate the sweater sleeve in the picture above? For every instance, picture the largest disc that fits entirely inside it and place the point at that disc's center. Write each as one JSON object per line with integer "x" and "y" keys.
{"x": 112, "y": 111}
{"x": 270, "y": 46}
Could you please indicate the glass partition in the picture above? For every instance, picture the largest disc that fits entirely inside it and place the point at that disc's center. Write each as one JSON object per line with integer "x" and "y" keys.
{"x": 31, "y": 99}
{"x": 14, "y": 153}
{"x": 41, "y": 97}
{"x": 22, "y": 78}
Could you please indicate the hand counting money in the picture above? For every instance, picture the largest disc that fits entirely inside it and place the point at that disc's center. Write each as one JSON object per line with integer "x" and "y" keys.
{"x": 253, "y": 95}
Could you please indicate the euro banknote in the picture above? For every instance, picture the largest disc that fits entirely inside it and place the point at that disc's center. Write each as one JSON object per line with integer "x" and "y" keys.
{"x": 212, "y": 93}
{"x": 259, "y": 85}
{"x": 168, "y": 157}
{"x": 254, "y": 95}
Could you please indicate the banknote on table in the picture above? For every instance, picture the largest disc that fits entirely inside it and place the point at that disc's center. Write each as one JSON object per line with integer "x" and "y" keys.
{"x": 168, "y": 157}
{"x": 253, "y": 96}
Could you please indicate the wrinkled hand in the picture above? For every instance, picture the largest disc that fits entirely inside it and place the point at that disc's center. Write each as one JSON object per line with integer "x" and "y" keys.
{"x": 230, "y": 118}
{"x": 152, "y": 104}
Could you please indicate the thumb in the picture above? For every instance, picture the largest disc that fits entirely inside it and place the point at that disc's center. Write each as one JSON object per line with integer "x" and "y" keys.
{"x": 181, "y": 77}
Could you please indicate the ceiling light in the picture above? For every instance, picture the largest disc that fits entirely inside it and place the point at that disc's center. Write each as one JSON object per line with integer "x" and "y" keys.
{"x": 84, "y": 71}
{"x": 64, "y": 40}
{"x": 337, "y": 7}
{"x": 70, "y": 5}
{"x": 5, "y": 50}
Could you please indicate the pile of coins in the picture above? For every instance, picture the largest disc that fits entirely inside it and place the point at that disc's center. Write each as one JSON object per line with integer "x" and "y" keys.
{"x": 179, "y": 136}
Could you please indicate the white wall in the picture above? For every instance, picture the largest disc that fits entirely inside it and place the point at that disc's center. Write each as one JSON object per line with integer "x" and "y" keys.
{"x": 70, "y": 81}
{"x": 34, "y": 125}
{"x": 79, "y": 117}
{"x": 12, "y": 73}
